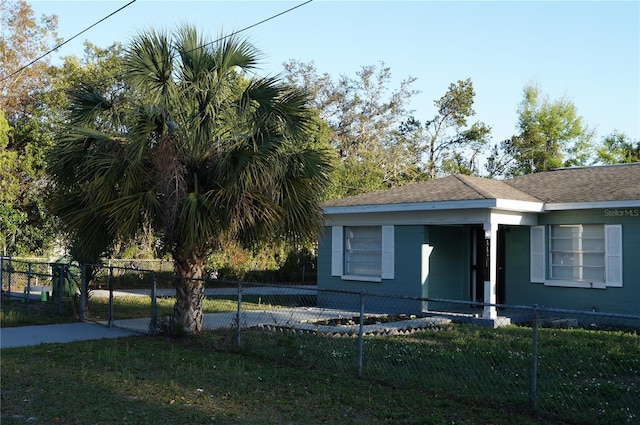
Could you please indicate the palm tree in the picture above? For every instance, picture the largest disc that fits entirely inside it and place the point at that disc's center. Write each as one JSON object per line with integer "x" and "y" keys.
{"x": 193, "y": 147}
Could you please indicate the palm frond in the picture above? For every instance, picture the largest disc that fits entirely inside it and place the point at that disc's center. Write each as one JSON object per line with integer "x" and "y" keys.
{"x": 86, "y": 102}
{"x": 198, "y": 222}
{"x": 127, "y": 214}
{"x": 233, "y": 52}
{"x": 149, "y": 65}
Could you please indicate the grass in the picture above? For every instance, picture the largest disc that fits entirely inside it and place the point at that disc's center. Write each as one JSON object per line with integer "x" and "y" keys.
{"x": 445, "y": 374}
{"x": 143, "y": 380}
{"x": 14, "y": 312}
{"x": 584, "y": 376}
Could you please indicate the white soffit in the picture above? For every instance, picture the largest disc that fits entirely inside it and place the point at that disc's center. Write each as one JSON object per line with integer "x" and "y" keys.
{"x": 413, "y": 206}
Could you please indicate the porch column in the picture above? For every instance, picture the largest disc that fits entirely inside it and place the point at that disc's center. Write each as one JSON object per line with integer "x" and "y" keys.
{"x": 490, "y": 269}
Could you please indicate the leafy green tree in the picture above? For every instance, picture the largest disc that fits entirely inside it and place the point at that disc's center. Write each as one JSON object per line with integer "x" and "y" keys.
{"x": 203, "y": 153}
{"x": 618, "y": 148}
{"x": 25, "y": 225}
{"x": 98, "y": 67}
{"x": 10, "y": 218}
{"x": 449, "y": 144}
{"x": 363, "y": 116}
{"x": 551, "y": 135}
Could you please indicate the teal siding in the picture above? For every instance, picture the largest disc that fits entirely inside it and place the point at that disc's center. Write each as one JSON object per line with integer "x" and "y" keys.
{"x": 408, "y": 241}
{"x": 448, "y": 277}
{"x": 449, "y": 272}
{"x": 520, "y": 291}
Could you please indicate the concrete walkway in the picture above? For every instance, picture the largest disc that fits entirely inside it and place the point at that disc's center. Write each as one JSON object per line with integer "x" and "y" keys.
{"x": 304, "y": 318}
{"x": 46, "y": 334}
{"x": 24, "y": 336}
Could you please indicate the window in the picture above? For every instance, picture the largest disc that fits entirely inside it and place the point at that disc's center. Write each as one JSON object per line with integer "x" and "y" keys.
{"x": 582, "y": 255}
{"x": 577, "y": 252}
{"x": 363, "y": 252}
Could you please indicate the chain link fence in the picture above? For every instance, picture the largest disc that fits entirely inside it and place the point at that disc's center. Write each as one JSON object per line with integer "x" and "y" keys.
{"x": 54, "y": 283}
{"x": 580, "y": 367}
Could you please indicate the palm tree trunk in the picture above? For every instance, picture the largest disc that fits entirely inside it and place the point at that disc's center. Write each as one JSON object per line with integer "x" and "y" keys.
{"x": 187, "y": 310}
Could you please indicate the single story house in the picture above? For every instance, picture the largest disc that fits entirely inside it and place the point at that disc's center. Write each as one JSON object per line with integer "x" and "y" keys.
{"x": 568, "y": 238}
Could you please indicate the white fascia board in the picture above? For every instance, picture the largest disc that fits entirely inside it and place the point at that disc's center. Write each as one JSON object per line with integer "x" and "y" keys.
{"x": 413, "y": 206}
{"x": 514, "y": 218}
{"x": 591, "y": 205}
{"x": 520, "y": 206}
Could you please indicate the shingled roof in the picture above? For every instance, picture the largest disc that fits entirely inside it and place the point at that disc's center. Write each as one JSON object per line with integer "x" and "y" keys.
{"x": 568, "y": 185}
{"x": 584, "y": 184}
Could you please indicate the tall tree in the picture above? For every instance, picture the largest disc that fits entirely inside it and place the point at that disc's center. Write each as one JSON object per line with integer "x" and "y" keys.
{"x": 551, "y": 134}
{"x": 363, "y": 115}
{"x": 10, "y": 218}
{"x": 25, "y": 225}
{"x": 618, "y": 148}
{"x": 23, "y": 38}
{"x": 203, "y": 153}
{"x": 449, "y": 144}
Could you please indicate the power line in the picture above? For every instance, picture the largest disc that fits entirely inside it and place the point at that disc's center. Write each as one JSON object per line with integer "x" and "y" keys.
{"x": 199, "y": 47}
{"x": 22, "y": 68}
{"x": 253, "y": 25}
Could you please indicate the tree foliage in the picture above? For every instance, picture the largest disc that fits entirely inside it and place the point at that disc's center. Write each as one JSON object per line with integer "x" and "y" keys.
{"x": 551, "y": 135}
{"x": 363, "y": 116}
{"x": 200, "y": 151}
{"x": 25, "y": 225}
{"x": 448, "y": 144}
{"x": 618, "y": 148}
{"x": 23, "y": 39}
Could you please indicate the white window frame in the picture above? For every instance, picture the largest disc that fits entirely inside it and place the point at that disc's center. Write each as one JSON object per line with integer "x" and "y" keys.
{"x": 338, "y": 255}
{"x": 540, "y": 251}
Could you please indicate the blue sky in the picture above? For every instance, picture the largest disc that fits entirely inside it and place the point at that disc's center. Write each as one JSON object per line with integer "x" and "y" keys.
{"x": 587, "y": 52}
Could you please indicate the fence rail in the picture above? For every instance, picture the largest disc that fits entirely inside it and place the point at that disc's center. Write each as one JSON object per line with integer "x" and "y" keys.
{"x": 576, "y": 366}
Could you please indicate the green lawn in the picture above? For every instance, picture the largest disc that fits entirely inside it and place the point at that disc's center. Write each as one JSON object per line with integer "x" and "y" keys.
{"x": 14, "y": 312}
{"x": 449, "y": 374}
{"x": 143, "y": 380}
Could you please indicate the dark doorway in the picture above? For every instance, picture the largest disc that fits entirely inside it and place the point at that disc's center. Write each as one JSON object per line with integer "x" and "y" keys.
{"x": 476, "y": 290}
{"x": 478, "y": 257}
{"x": 500, "y": 285}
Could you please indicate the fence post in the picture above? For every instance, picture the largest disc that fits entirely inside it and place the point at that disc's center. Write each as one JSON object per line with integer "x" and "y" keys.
{"x": 361, "y": 335}
{"x": 27, "y": 294}
{"x": 60, "y": 291}
{"x": 239, "y": 310}
{"x": 2, "y": 273}
{"x": 110, "y": 286}
{"x": 10, "y": 270}
{"x": 154, "y": 306}
{"x": 83, "y": 291}
{"x": 534, "y": 362}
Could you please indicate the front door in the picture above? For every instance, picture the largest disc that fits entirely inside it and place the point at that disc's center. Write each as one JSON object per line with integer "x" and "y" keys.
{"x": 478, "y": 255}
{"x": 500, "y": 284}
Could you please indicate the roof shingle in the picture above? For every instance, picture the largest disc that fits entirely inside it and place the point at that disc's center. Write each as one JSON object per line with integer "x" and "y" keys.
{"x": 583, "y": 184}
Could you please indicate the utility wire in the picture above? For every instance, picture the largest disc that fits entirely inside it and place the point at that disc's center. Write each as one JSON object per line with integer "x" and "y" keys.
{"x": 251, "y": 26}
{"x": 199, "y": 47}
{"x": 22, "y": 68}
